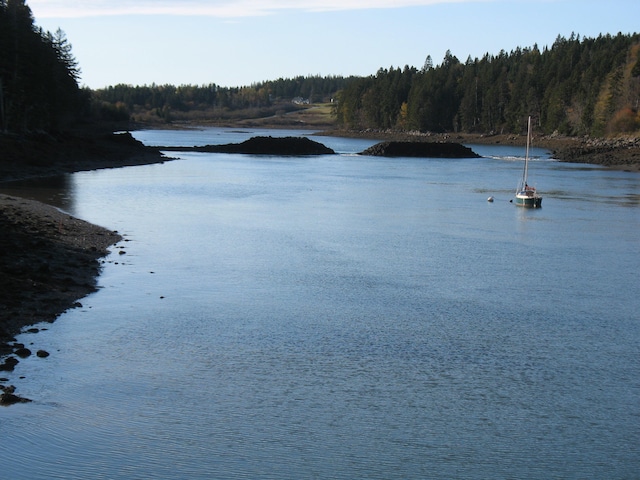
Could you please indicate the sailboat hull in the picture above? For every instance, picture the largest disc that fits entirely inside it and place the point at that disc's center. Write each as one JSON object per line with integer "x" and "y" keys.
{"x": 528, "y": 201}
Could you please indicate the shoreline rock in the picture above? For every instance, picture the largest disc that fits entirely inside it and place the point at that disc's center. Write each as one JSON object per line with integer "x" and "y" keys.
{"x": 48, "y": 260}
{"x": 8, "y": 397}
{"x": 42, "y": 155}
{"x": 420, "y": 149}
{"x": 621, "y": 153}
{"x": 283, "y": 146}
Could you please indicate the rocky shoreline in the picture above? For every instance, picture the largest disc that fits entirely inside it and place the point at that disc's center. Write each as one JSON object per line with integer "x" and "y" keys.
{"x": 48, "y": 259}
{"x": 41, "y": 154}
{"x": 621, "y": 153}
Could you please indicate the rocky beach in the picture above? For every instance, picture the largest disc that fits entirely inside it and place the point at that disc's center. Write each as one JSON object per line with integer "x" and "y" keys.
{"x": 49, "y": 259}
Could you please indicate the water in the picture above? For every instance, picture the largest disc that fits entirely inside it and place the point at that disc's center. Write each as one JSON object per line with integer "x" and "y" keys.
{"x": 342, "y": 317}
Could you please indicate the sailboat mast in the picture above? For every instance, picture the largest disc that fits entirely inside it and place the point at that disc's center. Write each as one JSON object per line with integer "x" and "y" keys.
{"x": 526, "y": 157}
{"x": 527, "y": 196}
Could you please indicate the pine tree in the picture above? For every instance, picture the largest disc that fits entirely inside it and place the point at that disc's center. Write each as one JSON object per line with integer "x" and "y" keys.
{"x": 38, "y": 73}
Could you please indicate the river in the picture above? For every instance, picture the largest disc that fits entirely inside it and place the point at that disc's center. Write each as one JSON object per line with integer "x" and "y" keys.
{"x": 341, "y": 317}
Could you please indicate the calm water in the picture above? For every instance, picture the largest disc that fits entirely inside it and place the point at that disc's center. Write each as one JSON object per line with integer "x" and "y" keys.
{"x": 341, "y": 317}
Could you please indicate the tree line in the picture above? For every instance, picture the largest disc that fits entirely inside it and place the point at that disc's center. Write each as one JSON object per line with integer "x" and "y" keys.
{"x": 170, "y": 101}
{"x": 38, "y": 74}
{"x": 39, "y": 88}
{"x": 588, "y": 86}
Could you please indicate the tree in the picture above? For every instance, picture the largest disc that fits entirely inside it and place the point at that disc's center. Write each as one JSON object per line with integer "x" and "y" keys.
{"x": 62, "y": 49}
{"x": 38, "y": 73}
{"x": 428, "y": 64}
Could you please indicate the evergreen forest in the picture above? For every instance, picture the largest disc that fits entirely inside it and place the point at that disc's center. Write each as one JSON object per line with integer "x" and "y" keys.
{"x": 577, "y": 86}
{"x": 207, "y": 103}
{"x": 38, "y": 74}
{"x": 588, "y": 86}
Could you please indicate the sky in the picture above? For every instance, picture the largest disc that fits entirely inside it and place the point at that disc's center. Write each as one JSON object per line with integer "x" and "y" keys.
{"x": 234, "y": 43}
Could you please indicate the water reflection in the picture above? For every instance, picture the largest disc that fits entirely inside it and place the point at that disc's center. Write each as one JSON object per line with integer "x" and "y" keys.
{"x": 57, "y": 191}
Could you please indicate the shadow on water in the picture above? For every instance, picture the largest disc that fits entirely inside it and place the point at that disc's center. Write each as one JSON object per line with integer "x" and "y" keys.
{"x": 57, "y": 191}
{"x": 622, "y": 200}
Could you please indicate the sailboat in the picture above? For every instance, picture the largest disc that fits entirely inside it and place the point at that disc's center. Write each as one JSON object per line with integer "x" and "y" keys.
{"x": 527, "y": 196}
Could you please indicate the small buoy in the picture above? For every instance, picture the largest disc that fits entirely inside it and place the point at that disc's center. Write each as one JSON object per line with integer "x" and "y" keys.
{"x": 490, "y": 199}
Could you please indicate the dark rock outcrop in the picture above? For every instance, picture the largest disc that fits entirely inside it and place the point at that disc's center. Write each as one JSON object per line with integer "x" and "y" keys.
{"x": 620, "y": 152}
{"x": 23, "y": 352}
{"x": 48, "y": 260}
{"x": 38, "y": 155}
{"x": 420, "y": 149}
{"x": 294, "y": 146}
{"x": 9, "y": 364}
{"x": 8, "y": 397}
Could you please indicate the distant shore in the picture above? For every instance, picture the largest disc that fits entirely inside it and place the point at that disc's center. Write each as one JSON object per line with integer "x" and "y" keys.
{"x": 621, "y": 153}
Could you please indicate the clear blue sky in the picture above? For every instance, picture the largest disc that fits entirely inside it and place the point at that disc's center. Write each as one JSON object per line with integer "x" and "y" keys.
{"x": 240, "y": 42}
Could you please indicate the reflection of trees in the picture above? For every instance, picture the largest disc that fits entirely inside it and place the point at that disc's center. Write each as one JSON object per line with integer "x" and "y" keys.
{"x": 57, "y": 191}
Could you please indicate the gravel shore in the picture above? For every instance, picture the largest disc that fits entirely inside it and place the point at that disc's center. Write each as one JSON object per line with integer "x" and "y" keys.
{"x": 49, "y": 259}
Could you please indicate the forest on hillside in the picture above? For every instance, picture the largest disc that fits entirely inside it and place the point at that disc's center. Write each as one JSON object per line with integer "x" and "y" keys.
{"x": 168, "y": 103}
{"x": 588, "y": 86}
{"x": 38, "y": 74}
{"x": 578, "y": 86}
